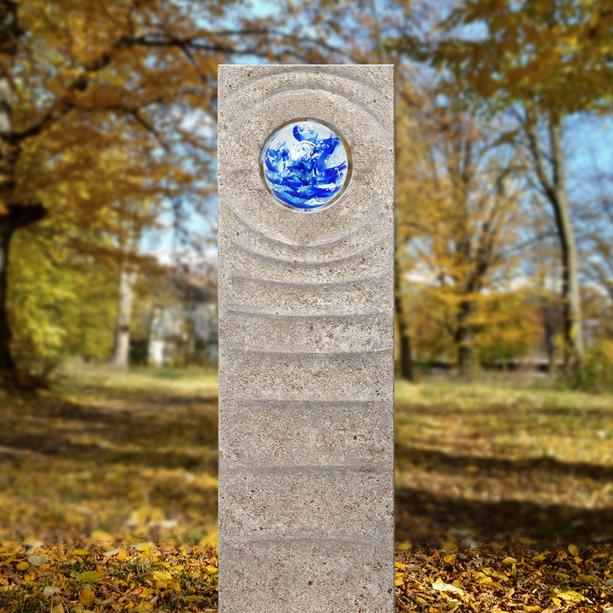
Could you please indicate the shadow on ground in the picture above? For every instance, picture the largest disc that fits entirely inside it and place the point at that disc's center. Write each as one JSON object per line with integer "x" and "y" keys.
{"x": 142, "y": 465}
{"x": 425, "y": 517}
{"x": 132, "y": 464}
{"x": 482, "y": 467}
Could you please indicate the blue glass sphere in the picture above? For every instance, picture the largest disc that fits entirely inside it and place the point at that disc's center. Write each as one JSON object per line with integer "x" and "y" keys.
{"x": 305, "y": 165}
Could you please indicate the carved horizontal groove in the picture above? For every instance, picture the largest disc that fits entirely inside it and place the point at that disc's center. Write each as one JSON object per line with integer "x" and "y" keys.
{"x": 303, "y": 353}
{"x": 312, "y": 284}
{"x": 305, "y": 468}
{"x": 245, "y": 404}
{"x": 295, "y": 316}
{"x": 310, "y": 263}
{"x": 374, "y": 224}
{"x": 338, "y": 238}
{"x": 320, "y": 541}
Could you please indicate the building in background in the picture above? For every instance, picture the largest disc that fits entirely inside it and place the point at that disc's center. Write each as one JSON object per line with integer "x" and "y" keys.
{"x": 183, "y": 326}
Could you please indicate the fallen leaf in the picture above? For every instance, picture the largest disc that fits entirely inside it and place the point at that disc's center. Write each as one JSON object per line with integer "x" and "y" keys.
{"x": 441, "y": 586}
{"x": 90, "y": 576}
{"x": 36, "y": 560}
{"x": 87, "y": 596}
{"x": 570, "y": 596}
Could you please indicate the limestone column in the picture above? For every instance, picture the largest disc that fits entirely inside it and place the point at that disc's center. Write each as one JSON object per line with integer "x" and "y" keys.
{"x": 306, "y": 339}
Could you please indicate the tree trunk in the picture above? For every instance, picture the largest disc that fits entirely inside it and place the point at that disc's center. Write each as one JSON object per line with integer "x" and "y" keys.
{"x": 550, "y": 348}
{"x": 7, "y": 364}
{"x": 406, "y": 357}
{"x": 16, "y": 217}
{"x": 554, "y": 187}
{"x": 464, "y": 339}
{"x": 9, "y": 153}
{"x": 573, "y": 335}
{"x": 121, "y": 351}
{"x": 405, "y": 348}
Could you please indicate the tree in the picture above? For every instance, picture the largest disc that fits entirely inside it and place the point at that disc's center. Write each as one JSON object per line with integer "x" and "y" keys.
{"x": 62, "y": 300}
{"x": 408, "y": 152}
{"x": 81, "y": 82}
{"x": 542, "y": 61}
{"x": 460, "y": 196}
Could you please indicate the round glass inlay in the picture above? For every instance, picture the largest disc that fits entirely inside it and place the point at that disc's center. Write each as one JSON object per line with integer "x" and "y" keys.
{"x": 305, "y": 164}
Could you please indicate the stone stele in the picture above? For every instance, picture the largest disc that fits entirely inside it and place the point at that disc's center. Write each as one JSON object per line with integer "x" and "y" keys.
{"x": 306, "y": 481}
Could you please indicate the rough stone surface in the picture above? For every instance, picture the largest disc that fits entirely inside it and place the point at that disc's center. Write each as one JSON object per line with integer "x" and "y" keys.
{"x": 306, "y": 352}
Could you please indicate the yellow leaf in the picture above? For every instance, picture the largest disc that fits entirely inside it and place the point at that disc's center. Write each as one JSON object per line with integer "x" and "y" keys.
{"x": 587, "y": 578}
{"x": 87, "y": 596}
{"x": 573, "y": 550}
{"x": 23, "y": 565}
{"x": 400, "y": 565}
{"x": 441, "y": 586}
{"x": 449, "y": 558}
{"x": 117, "y": 552}
{"x": 58, "y": 608}
{"x": 509, "y": 561}
{"x": 570, "y": 596}
{"x": 212, "y": 570}
{"x": 90, "y": 576}
{"x": 483, "y": 578}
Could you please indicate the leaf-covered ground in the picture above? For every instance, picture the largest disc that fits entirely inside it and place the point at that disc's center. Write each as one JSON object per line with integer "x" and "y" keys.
{"x": 108, "y": 497}
{"x": 84, "y": 577}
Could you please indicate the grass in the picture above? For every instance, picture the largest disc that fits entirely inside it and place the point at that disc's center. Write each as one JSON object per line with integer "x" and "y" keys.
{"x": 484, "y": 473}
{"x": 502, "y": 463}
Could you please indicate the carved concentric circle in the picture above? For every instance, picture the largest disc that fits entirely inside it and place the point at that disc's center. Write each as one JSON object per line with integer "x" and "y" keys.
{"x": 350, "y": 106}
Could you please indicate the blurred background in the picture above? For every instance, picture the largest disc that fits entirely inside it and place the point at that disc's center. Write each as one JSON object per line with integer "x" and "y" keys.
{"x": 504, "y": 264}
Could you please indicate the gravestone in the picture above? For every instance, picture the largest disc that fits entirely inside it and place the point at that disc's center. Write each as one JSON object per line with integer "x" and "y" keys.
{"x": 306, "y": 251}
